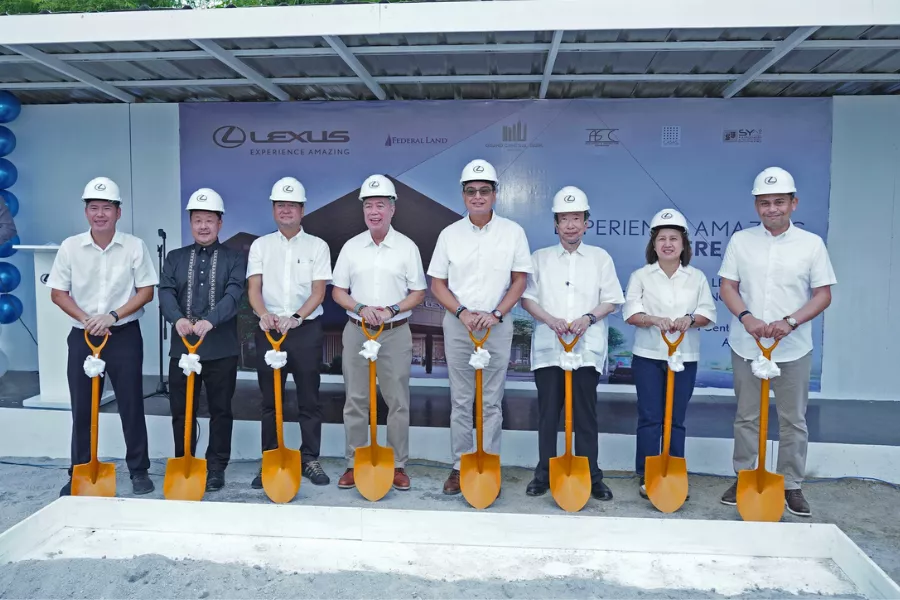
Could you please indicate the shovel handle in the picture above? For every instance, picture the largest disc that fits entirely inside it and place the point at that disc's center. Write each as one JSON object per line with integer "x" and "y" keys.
{"x": 95, "y": 350}
{"x": 479, "y": 342}
{"x": 191, "y": 348}
{"x": 672, "y": 345}
{"x": 767, "y": 352}
{"x": 568, "y": 345}
{"x": 366, "y": 331}
{"x": 276, "y": 344}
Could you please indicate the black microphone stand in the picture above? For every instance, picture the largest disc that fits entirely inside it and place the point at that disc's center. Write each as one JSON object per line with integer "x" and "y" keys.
{"x": 162, "y": 388}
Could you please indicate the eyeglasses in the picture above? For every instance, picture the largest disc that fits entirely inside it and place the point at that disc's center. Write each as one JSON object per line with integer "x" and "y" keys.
{"x": 485, "y": 191}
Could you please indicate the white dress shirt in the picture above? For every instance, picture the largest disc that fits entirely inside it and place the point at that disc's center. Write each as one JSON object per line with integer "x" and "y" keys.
{"x": 777, "y": 276}
{"x": 379, "y": 274}
{"x": 288, "y": 268}
{"x": 568, "y": 285}
{"x": 101, "y": 280}
{"x": 477, "y": 263}
{"x": 653, "y": 292}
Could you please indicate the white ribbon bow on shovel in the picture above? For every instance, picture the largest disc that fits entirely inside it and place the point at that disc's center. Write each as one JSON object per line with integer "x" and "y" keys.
{"x": 94, "y": 366}
{"x": 190, "y": 363}
{"x": 569, "y": 361}
{"x": 764, "y": 368}
{"x": 370, "y": 350}
{"x": 276, "y": 358}
{"x": 676, "y": 362}
{"x": 480, "y": 359}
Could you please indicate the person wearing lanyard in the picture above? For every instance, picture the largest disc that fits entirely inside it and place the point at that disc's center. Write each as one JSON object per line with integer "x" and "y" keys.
{"x": 378, "y": 277}
{"x": 287, "y": 272}
{"x": 776, "y": 278}
{"x": 478, "y": 273}
{"x": 573, "y": 289}
{"x": 102, "y": 279}
{"x": 200, "y": 292}
{"x": 666, "y": 295}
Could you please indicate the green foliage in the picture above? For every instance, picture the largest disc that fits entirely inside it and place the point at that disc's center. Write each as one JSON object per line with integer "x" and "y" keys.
{"x": 615, "y": 339}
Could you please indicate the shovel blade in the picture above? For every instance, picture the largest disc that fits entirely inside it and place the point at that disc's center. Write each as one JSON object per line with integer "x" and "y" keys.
{"x": 104, "y": 485}
{"x": 183, "y": 481}
{"x": 755, "y": 504}
{"x": 480, "y": 488}
{"x": 570, "y": 481}
{"x": 373, "y": 471}
{"x": 666, "y": 491}
{"x": 281, "y": 474}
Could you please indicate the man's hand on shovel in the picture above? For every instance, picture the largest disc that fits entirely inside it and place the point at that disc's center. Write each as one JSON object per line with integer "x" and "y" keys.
{"x": 99, "y": 324}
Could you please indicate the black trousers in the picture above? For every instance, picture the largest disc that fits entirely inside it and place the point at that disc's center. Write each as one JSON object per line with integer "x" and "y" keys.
{"x": 124, "y": 356}
{"x": 220, "y": 377}
{"x": 551, "y": 389}
{"x": 303, "y": 345}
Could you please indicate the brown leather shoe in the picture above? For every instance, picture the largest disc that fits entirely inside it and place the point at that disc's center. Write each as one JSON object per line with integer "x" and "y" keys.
{"x": 346, "y": 481}
{"x": 451, "y": 486}
{"x": 401, "y": 480}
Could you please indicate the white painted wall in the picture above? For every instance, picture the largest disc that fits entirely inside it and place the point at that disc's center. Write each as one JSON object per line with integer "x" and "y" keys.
{"x": 61, "y": 147}
{"x": 862, "y": 327}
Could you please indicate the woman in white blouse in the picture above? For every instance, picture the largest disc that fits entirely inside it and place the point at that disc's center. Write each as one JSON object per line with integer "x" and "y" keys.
{"x": 665, "y": 295}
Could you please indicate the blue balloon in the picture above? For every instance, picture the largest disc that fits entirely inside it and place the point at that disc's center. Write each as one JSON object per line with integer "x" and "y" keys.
{"x": 7, "y": 250}
{"x": 12, "y": 203}
{"x": 10, "y": 107}
{"x": 7, "y": 141}
{"x": 10, "y": 278}
{"x": 8, "y": 174}
{"x": 10, "y": 309}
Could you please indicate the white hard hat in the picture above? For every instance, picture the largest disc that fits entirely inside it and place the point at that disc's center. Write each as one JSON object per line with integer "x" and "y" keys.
{"x": 668, "y": 217}
{"x": 570, "y": 199}
{"x": 774, "y": 180}
{"x": 101, "y": 188}
{"x": 479, "y": 170}
{"x": 376, "y": 186}
{"x": 206, "y": 199}
{"x": 288, "y": 189}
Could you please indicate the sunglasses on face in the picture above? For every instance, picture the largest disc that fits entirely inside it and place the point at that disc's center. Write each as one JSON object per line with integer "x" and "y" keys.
{"x": 484, "y": 191}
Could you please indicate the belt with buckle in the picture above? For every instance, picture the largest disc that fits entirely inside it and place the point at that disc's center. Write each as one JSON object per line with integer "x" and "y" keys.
{"x": 387, "y": 326}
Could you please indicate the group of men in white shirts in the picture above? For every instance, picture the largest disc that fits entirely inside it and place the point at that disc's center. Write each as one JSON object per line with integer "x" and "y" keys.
{"x": 776, "y": 278}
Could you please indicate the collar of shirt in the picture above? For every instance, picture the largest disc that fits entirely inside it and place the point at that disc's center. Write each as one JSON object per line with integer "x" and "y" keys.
{"x": 476, "y": 228}
{"x": 211, "y": 248}
{"x": 292, "y": 240}
{"x": 561, "y": 250}
{"x": 88, "y": 240}
{"x": 681, "y": 270}
{"x": 388, "y": 240}
{"x": 787, "y": 232}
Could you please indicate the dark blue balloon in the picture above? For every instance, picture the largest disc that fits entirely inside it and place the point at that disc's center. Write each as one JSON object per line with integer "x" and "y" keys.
{"x": 7, "y": 250}
{"x": 10, "y": 309}
{"x": 8, "y": 174}
{"x": 7, "y": 141}
{"x": 10, "y": 107}
{"x": 12, "y": 202}
{"x": 10, "y": 278}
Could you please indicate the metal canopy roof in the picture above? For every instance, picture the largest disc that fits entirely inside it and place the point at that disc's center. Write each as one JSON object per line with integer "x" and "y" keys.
{"x": 456, "y": 50}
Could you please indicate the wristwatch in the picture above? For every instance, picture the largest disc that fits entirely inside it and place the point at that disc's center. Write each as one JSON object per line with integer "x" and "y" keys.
{"x": 394, "y": 308}
{"x": 792, "y": 322}
{"x": 497, "y": 315}
{"x": 298, "y": 317}
{"x": 459, "y": 310}
{"x": 692, "y": 319}
{"x": 115, "y": 315}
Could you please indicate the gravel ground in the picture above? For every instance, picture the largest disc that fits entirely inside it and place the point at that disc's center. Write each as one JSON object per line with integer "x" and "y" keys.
{"x": 866, "y": 511}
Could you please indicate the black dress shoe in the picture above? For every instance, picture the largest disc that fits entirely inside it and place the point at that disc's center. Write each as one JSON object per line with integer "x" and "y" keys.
{"x": 66, "y": 490}
{"x": 537, "y": 487}
{"x": 256, "y": 484}
{"x": 601, "y": 491}
{"x": 141, "y": 484}
{"x": 215, "y": 480}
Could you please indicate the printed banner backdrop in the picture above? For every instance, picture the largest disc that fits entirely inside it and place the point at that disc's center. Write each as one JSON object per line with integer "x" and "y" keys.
{"x": 631, "y": 157}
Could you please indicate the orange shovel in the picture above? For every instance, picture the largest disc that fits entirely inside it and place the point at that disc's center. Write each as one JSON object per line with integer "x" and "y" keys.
{"x": 280, "y": 466}
{"x": 479, "y": 471}
{"x": 666, "y": 476}
{"x": 373, "y": 465}
{"x": 94, "y": 478}
{"x": 570, "y": 476}
{"x": 186, "y": 475}
{"x": 760, "y": 494}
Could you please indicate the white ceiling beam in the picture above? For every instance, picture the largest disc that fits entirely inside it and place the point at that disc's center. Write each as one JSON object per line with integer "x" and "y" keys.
{"x": 688, "y": 46}
{"x": 775, "y": 54}
{"x": 441, "y": 17}
{"x": 227, "y": 58}
{"x": 73, "y": 72}
{"x": 357, "y": 67}
{"x": 462, "y": 79}
{"x": 548, "y": 65}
